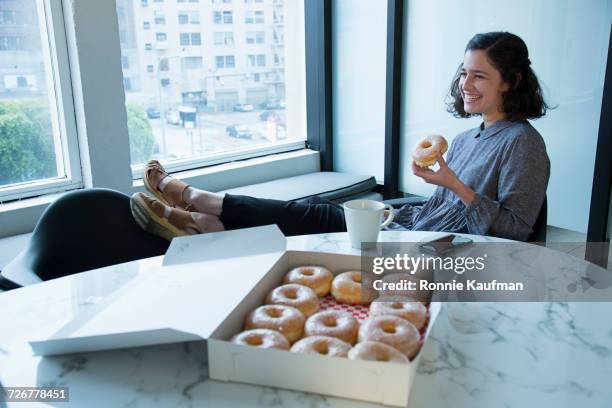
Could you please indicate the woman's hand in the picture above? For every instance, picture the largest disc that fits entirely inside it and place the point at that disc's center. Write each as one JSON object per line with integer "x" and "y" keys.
{"x": 446, "y": 178}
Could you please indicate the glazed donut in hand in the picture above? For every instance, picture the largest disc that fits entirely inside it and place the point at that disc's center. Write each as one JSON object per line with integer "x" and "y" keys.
{"x": 284, "y": 319}
{"x": 347, "y": 288}
{"x": 333, "y": 323}
{"x": 376, "y": 351}
{"x": 400, "y": 306}
{"x": 299, "y": 296}
{"x": 393, "y": 331}
{"x": 316, "y": 278}
{"x": 429, "y": 150}
{"x": 264, "y": 338}
{"x": 324, "y": 345}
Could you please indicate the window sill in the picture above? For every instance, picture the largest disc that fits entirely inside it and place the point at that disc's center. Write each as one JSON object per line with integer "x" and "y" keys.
{"x": 19, "y": 217}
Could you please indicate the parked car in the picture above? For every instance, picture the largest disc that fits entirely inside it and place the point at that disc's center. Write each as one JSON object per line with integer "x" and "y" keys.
{"x": 153, "y": 113}
{"x": 269, "y": 115}
{"x": 239, "y": 132}
{"x": 173, "y": 117}
{"x": 274, "y": 104}
{"x": 243, "y": 107}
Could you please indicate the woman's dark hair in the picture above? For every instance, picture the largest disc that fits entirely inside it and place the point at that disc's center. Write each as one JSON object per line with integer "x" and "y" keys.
{"x": 508, "y": 53}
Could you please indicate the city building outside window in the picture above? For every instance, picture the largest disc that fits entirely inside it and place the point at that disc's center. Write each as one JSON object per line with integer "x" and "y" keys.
{"x": 144, "y": 3}
{"x": 148, "y": 47}
{"x": 254, "y": 17}
{"x": 161, "y": 37}
{"x": 224, "y": 38}
{"x": 226, "y": 86}
{"x": 223, "y": 17}
{"x": 160, "y": 17}
{"x": 146, "y": 25}
{"x": 12, "y": 43}
{"x": 8, "y": 17}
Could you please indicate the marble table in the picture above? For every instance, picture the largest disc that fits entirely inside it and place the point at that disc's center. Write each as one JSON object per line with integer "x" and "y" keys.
{"x": 479, "y": 354}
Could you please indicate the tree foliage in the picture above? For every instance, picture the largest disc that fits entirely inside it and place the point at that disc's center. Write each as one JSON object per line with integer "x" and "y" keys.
{"x": 26, "y": 142}
{"x": 142, "y": 141}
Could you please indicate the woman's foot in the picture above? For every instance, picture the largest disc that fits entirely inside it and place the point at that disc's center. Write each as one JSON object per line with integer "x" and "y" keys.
{"x": 159, "y": 219}
{"x": 168, "y": 190}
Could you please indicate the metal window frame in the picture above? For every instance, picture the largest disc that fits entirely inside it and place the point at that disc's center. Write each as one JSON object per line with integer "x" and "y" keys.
{"x": 318, "y": 15}
{"x": 597, "y": 231}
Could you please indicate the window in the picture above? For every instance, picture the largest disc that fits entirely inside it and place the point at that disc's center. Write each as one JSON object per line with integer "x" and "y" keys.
{"x": 257, "y": 60}
{"x": 223, "y": 17}
{"x": 148, "y": 47}
{"x": 225, "y": 61}
{"x": 189, "y": 17}
{"x": 160, "y": 17}
{"x": 234, "y": 66}
{"x": 254, "y": 17}
{"x": 224, "y": 38}
{"x": 255, "y": 37}
{"x": 146, "y": 25}
{"x": 190, "y": 39}
{"x": 127, "y": 84}
{"x": 252, "y": 1}
{"x": 8, "y": 17}
{"x": 38, "y": 144}
{"x": 161, "y": 37}
{"x": 125, "y": 62}
{"x": 12, "y": 43}
{"x": 144, "y": 3}
{"x": 193, "y": 63}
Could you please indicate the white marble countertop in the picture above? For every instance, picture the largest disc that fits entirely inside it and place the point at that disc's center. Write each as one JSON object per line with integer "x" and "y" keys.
{"x": 479, "y": 354}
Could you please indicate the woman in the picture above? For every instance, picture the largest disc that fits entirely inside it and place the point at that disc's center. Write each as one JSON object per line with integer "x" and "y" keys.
{"x": 494, "y": 182}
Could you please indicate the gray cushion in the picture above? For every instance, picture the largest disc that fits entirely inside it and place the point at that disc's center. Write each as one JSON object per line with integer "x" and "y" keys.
{"x": 329, "y": 185}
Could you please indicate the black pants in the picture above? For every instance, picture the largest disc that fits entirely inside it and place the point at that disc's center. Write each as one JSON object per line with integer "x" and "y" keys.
{"x": 312, "y": 216}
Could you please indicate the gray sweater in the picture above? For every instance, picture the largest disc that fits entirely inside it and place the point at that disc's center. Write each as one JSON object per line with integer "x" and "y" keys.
{"x": 507, "y": 166}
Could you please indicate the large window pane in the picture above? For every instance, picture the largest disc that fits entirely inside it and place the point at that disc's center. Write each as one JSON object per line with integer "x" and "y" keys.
{"x": 223, "y": 77}
{"x": 30, "y": 142}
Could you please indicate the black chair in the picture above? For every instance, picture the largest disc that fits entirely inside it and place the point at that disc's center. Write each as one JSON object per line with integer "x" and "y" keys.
{"x": 82, "y": 230}
{"x": 539, "y": 228}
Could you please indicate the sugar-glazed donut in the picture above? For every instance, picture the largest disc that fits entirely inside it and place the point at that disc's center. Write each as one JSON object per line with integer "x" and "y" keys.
{"x": 324, "y": 345}
{"x": 316, "y": 278}
{"x": 287, "y": 320}
{"x": 401, "y": 306}
{"x": 376, "y": 351}
{"x": 299, "y": 296}
{"x": 264, "y": 338}
{"x": 347, "y": 287}
{"x": 428, "y": 150}
{"x": 333, "y": 323}
{"x": 393, "y": 331}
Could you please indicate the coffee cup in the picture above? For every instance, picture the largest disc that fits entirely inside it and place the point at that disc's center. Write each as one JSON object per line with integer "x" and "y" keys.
{"x": 364, "y": 220}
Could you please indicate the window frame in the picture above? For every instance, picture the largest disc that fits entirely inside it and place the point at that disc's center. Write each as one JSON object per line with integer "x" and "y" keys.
{"x": 63, "y": 119}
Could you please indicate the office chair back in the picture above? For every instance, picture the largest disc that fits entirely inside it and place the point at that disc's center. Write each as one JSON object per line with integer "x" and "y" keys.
{"x": 80, "y": 231}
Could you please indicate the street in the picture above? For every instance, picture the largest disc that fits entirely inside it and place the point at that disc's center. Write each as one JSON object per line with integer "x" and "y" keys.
{"x": 210, "y": 135}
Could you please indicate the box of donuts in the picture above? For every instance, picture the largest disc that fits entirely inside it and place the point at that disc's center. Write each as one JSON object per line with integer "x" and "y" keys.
{"x": 310, "y": 323}
{"x": 298, "y": 320}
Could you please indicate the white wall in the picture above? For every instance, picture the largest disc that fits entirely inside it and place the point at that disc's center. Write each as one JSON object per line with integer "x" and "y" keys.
{"x": 359, "y": 41}
{"x": 567, "y": 41}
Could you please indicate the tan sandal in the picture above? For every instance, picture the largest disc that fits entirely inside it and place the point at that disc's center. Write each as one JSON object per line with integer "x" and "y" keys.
{"x": 149, "y": 215}
{"x": 175, "y": 188}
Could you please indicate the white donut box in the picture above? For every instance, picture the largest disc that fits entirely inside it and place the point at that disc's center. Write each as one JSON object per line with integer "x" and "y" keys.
{"x": 203, "y": 291}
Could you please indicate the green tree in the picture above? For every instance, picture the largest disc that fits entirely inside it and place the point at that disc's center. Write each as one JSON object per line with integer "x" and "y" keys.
{"x": 142, "y": 141}
{"x": 26, "y": 142}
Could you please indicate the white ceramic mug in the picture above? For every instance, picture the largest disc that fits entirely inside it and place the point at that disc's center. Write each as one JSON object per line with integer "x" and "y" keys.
{"x": 364, "y": 220}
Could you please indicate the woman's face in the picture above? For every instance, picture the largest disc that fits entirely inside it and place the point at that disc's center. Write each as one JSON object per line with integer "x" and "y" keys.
{"x": 481, "y": 86}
